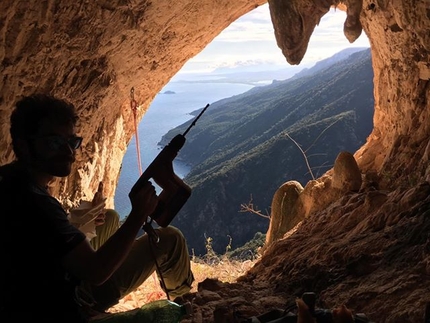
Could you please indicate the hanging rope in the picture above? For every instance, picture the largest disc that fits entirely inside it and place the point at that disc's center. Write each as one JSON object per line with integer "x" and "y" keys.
{"x": 133, "y": 105}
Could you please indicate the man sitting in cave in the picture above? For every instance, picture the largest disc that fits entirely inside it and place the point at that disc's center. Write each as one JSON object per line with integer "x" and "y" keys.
{"x": 48, "y": 263}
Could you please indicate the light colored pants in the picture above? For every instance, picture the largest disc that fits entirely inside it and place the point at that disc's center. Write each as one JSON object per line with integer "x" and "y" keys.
{"x": 171, "y": 255}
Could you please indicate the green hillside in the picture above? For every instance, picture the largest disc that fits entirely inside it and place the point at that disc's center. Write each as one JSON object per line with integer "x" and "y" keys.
{"x": 241, "y": 146}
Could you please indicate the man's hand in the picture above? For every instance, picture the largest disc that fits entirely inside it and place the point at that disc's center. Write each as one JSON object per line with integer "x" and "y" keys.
{"x": 88, "y": 215}
{"x": 99, "y": 198}
{"x": 144, "y": 201}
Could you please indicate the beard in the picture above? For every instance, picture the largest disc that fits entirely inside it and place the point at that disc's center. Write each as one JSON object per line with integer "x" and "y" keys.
{"x": 59, "y": 166}
{"x": 54, "y": 163}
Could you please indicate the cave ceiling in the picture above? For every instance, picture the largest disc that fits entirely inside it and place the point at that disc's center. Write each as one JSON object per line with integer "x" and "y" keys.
{"x": 94, "y": 53}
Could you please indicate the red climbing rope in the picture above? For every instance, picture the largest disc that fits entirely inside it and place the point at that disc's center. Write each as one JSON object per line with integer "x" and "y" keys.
{"x": 133, "y": 105}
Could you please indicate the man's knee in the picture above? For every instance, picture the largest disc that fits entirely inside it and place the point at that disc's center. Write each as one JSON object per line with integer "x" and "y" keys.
{"x": 172, "y": 233}
{"x": 111, "y": 218}
{"x": 107, "y": 229}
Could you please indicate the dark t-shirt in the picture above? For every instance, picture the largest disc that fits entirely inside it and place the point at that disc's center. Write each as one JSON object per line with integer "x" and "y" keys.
{"x": 35, "y": 235}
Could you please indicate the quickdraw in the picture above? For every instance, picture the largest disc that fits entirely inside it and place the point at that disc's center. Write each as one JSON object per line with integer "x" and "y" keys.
{"x": 133, "y": 106}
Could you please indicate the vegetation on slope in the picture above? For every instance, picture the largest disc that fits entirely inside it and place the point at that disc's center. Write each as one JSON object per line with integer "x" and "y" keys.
{"x": 241, "y": 148}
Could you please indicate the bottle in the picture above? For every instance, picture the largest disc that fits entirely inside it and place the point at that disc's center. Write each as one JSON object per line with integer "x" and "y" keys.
{"x": 160, "y": 311}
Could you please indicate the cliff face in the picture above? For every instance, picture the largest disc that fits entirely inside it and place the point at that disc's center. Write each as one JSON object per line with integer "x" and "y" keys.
{"x": 93, "y": 53}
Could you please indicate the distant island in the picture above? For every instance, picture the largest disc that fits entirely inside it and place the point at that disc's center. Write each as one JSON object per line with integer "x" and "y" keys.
{"x": 169, "y": 92}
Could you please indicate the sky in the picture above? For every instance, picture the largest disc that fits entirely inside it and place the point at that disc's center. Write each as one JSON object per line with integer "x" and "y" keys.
{"x": 250, "y": 40}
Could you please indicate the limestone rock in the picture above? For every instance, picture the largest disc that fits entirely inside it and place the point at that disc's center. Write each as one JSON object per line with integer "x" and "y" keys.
{"x": 346, "y": 174}
{"x": 283, "y": 216}
{"x": 94, "y": 52}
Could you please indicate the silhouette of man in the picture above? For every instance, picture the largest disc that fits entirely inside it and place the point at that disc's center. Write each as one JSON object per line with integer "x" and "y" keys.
{"x": 51, "y": 272}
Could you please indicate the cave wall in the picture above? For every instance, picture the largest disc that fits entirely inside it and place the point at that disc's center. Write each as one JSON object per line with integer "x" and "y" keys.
{"x": 93, "y": 53}
{"x": 398, "y": 147}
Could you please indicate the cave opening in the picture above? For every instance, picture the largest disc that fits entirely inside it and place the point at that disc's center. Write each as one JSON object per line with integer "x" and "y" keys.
{"x": 210, "y": 77}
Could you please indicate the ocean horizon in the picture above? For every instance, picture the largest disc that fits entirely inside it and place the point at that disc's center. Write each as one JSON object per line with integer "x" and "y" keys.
{"x": 170, "y": 108}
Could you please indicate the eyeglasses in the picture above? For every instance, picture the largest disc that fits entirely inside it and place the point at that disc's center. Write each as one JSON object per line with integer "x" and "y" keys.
{"x": 56, "y": 142}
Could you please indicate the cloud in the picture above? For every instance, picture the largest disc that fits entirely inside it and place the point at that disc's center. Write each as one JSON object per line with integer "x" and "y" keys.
{"x": 251, "y": 39}
{"x": 254, "y": 26}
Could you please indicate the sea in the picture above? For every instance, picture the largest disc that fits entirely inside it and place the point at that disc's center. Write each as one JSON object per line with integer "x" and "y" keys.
{"x": 169, "y": 109}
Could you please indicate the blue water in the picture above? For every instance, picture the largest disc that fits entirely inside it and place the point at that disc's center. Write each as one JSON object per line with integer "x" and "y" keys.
{"x": 166, "y": 112}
